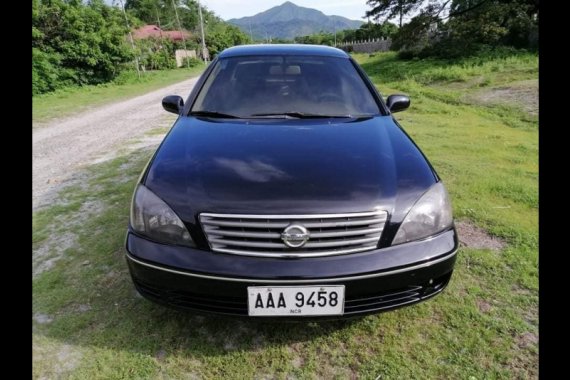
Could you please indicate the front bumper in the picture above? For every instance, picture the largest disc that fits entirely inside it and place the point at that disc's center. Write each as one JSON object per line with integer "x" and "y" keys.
{"x": 375, "y": 281}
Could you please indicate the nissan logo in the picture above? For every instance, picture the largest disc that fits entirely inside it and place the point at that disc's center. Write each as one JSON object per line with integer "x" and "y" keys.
{"x": 295, "y": 236}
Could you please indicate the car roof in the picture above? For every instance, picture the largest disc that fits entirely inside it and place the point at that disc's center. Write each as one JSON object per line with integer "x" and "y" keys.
{"x": 282, "y": 49}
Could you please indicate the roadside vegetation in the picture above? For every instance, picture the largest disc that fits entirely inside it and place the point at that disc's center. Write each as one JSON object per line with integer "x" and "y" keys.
{"x": 443, "y": 28}
{"x": 71, "y": 100}
{"x": 475, "y": 119}
{"x": 80, "y": 43}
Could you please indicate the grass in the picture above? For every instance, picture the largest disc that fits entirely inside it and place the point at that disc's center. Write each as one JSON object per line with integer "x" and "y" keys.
{"x": 76, "y": 99}
{"x": 89, "y": 322}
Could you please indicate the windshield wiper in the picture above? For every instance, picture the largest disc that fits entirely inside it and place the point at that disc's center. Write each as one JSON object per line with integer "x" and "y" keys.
{"x": 214, "y": 114}
{"x": 301, "y": 115}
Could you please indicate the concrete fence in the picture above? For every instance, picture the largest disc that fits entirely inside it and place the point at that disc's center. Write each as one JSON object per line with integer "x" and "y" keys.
{"x": 180, "y": 54}
{"x": 366, "y": 46}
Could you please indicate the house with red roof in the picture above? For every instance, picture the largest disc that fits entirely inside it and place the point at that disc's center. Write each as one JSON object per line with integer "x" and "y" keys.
{"x": 153, "y": 31}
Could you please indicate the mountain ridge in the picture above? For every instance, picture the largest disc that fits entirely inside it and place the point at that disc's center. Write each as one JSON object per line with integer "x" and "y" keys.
{"x": 289, "y": 20}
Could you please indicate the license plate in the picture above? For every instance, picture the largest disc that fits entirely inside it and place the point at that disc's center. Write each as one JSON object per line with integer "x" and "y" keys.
{"x": 295, "y": 300}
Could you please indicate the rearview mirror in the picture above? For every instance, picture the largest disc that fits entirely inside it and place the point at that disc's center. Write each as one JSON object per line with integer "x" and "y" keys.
{"x": 397, "y": 103}
{"x": 173, "y": 103}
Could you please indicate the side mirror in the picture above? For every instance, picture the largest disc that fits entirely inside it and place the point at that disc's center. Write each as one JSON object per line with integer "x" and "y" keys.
{"x": 397, "y": 103}
{"x": 173, "y": 103}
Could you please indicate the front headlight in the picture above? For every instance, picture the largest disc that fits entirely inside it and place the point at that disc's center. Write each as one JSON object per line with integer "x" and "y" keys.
{"x": 431, "y": 214}
{"x": 151, "y": 217}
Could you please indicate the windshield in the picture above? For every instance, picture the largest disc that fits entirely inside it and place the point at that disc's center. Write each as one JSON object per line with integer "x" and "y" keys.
{"x": 270, "y": 86}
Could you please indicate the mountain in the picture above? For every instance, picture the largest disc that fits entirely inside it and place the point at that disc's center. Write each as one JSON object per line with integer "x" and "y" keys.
{"x": 289, "y": 21}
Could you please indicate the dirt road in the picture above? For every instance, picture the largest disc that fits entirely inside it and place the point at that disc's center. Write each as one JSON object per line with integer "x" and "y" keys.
{"x": 62, "y": 147}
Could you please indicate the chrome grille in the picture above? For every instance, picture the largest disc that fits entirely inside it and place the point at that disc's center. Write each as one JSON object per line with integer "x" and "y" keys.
{"x": 260, "y": 235}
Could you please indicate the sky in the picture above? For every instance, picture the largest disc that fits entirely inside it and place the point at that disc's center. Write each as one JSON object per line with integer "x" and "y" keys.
{"x": 226, "y": 9}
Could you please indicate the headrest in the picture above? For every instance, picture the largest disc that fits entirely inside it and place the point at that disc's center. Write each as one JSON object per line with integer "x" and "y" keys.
{"x": 293, "y": 70}
{"x": 275, "y": 70}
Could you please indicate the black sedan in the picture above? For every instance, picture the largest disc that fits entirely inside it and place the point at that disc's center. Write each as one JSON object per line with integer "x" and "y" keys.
{"x": 286, "y": 188}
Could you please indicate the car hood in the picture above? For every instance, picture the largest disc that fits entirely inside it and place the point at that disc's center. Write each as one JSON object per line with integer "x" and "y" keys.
{"x": 288, "y": 166}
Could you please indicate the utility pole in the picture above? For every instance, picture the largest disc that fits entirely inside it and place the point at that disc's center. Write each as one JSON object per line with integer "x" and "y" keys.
{"x": 131, "y": 39}
{"x": 182, "y": 34}
{"x": 158, "y": 21}
{"x": 202, "y": 31}
{"x": 334, "y": 24}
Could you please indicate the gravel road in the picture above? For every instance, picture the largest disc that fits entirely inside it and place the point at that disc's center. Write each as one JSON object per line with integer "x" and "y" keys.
{"x": 62, "y": 147}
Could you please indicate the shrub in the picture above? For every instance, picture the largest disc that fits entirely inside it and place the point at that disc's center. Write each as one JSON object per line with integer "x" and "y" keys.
{"x": 76, "y": 43}
{"x": 191, "y": 62}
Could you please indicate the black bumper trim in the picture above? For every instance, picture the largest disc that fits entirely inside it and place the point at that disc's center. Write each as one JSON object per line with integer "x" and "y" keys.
{"x": 305, "y": 281}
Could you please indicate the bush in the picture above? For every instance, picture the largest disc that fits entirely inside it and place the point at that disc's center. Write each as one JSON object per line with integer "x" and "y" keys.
{"x": 191, "y": 62}
{"x": 127, "y": 76}
{"x": 45, "y": 72}
{"x": 156, "y": 53}
{"x": 159, "y": 60}
{"x": 75, "y": 43}
{"x": 451, "y": 51}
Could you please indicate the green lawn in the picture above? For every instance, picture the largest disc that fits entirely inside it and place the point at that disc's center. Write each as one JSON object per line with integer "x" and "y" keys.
{"x": 88, "y": 322}
{"x": 72, "y": 100}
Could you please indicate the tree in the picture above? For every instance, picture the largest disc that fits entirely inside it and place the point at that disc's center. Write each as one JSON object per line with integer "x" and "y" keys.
{"x": 459, "y": 27}
{"x": 389, "y": 9}
{"x": 76, "y": 43}
{"x": 373, "y": 30}
{"x": 162, "y": 12}
{"x": 414, "y": 36}
{"x": 218, "y": 34}
{"x": 493, "y": 22}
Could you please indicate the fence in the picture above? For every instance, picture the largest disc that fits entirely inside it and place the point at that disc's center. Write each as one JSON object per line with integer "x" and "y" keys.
{"x": 366, "y": 46}
{"x": 180, "y": 54}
